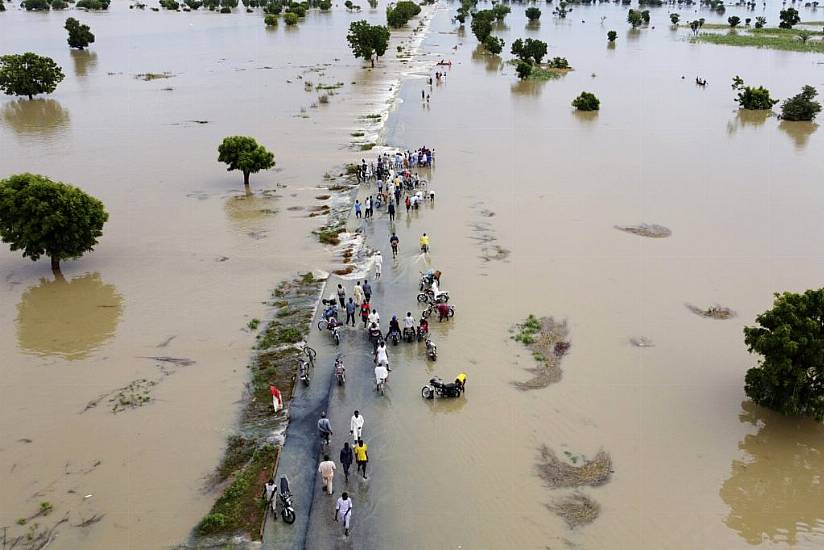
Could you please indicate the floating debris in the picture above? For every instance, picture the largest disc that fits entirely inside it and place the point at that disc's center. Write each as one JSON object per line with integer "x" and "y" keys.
{"x": 178, "y": 361}
{"x": 576, "y": 509}
{"x": 546, "y": 338}
{"x": 557, "y": 474}
{"x": 153, "y": 76}
{"x": 652, "y": 231}
{"x": 712, "y": 312}
{"x": 167, "y": 341}
{"x": 642, "y": 342}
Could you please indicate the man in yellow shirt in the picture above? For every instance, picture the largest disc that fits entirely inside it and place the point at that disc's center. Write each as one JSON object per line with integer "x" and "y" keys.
{"x": 361, "y": 457}
{"x": 424, "y": 241}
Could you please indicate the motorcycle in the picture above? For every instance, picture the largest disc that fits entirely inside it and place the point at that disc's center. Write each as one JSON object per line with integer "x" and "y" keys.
{"x": 303, "y": 371}
{"x": 427, "y": 279}
{"x": 340, "y": 371}
{"x": 330, "y": 310}
{"x": 437, "y": 388}
{"x": 395, "y": 337}
{"x": 284, "y": 498}
{"x": 431, "y": 350}
{"x": 428, "y": 296}
{"x": 336, "y": 334}
{"x": 409, "y": 334}
{"x": 431, "y": 309}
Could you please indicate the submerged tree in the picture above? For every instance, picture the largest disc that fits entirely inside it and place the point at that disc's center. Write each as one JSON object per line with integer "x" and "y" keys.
{"x": 29, "y": 74}
{"x": 367, "y": 40}
{"x": 80, "y": 36}
{"x": 243, "y": 153}
{"x": 760, "y": 22}
{"x": 611, "y": 36}
{"x": 533, "y": 13}
{"x": 482, "y": 24}
{"x": 674, "y": 18}
{"x": 586, "y": 102}
{"x": 493, "y": 44}
{"x": 42, "y": 217}
{"x": 501, "y": 11}
{"x": 802, "y": 106}
{"x": 398, "y": 15}
{"x": 524, "y": 69}
{"x": 750, "y": 98}
{"x": 790, "y": 338}
{"x": 789, "y": 17}
{"x": 634, "y": 18}
{"x": 529, "y": 50}
{"x": 734, "y": 21}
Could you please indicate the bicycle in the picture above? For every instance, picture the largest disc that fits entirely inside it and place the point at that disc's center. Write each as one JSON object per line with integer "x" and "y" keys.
{"x": 310, "y": 353}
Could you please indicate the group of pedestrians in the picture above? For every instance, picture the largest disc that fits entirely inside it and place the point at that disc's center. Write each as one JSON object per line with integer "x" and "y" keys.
{"x": 357, "y": 452}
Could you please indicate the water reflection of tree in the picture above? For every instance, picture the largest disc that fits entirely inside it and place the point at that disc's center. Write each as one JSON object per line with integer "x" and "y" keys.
{"x": 83, "y": 61}
{"x": 248, "y": 212}
{"x": 68, "y": 318}
{"x": 745, "y": 118}
{"x": 35, "y": 116}
{"x": 777, "y": 491}
{"x": 800, "y": 132}
{"x": 493, "y": 62}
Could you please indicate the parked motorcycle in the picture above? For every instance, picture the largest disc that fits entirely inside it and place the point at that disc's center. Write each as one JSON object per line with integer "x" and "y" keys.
{"x": 333, "y": 326}
{"x": 340, "y": 371}
{"x": 431, "y": 350}
{"x": 431, "y": 309}
{"x": 437, "y": 388}
{"x": 284, "y": 499}
{"x": 427, "y": 279}
{"x": 429, "y": 297}
{"x": 303, "y": 371}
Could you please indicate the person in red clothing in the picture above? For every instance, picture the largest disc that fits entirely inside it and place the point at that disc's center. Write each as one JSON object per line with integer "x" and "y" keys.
{"x": 277, "y": 400}
{"x": 408, "y": 203}
{"x": 443, "y": 311}
{"x": 364, "y": 313}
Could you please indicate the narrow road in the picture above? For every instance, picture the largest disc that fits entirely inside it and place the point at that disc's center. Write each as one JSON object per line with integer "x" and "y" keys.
{"x": 314, "y": 528}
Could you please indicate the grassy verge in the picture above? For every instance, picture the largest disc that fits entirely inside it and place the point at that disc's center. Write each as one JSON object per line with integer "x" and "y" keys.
{"x": 251, "y": 453}
{"x": 789, "y": 32}
{"x": 786, "y": 42}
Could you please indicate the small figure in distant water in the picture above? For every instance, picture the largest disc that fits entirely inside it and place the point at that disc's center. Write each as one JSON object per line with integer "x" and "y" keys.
{"x": 700, "y": 81}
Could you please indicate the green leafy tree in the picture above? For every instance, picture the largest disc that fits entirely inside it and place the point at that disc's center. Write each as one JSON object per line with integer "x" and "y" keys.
{"x": 290, "y": 18}
{"x": 611, "y": 36}
{"x": 42, "y": 217}
{"x": 586, "y": 102}
{"x": 760, "y": 22}
{"x": 36, "y": 5}
{"x": 734, "y": 21}
{"x": 645, "y": 17}
{"x": 28, "y": 74}
{"x": 529, "y": 50}
{"x": 482, "y": 24}
{"x": 790, "y": 339}
{"x": 523, "y": 69}
{"x": 243, "y": 153}
{"x": 368, "y": 40}
{"x": 398, "y": 15}
{"x": 802, "y": 106}
{"x": 493, "y": 44}
{"x": 675, "y": 18}
{"x": 533, "y": 13}
{"x": 80, "y": 36}
{"x": 270, "y": 20}
{"x": 634, "y": 18}
{"x": 750, "y": 98}
{"x": 559, "y": 63}
{"x": 325, "y": 5}
{"x": 93, "y": 4}
{"x": 561, "y": 10}
{"x": 789, "y": 18}
{"x": 501, "y": 11}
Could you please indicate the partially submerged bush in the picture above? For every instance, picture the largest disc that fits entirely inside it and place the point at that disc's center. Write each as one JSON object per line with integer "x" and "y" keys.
{"x": 801, "y": 106}
{"x": 586, "y": 102}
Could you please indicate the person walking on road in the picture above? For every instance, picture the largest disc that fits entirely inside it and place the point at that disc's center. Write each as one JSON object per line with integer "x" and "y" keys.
{"x": 367, "y": 291}
{"x": 346, "y": 459}
{"x": 358, "y": 209}
{"x": 356, "y": 426}
{"x": 343, "y": 512}
{"x": 326, "y": 469}
{"x": 350, "y": 311}
{"x": 269, "y": 491}
{"x": 357, "y": 293}
{"x": 391, "y": 209}
{"x": 378, "y": 264}
{"x": 361, "y": 456}
{"x": 393, "y": 241}
{"x": 341, "y": 296}
{"x": 324, "y": 428}
{"x": 364, "y": 313}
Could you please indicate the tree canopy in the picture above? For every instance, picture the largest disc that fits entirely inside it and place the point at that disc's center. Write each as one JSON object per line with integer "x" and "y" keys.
{"x": 80, "y": 36}
{"x": 42, "y": 217}
{"x": 29, "y": 74}
{"x": 367, "y": 40}
{"x": 482, "y": 24}
{"x": 398, "y": 15}
{"x": 634, "y": 18}
{"x": 789, "y": 17}
{"x": 529, "y": 50}
{"x": 245, "y": 154}
{"x": 751, "y": 98}
{"x": 586, "y": 102}
{"x": 801, "y": 106}
{"x": 790, "y": 339}
{"x": 533, "y": 13}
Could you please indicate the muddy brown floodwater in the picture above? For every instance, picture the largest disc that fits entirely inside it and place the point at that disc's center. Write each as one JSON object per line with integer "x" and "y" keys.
{"x": 186, "y": 261}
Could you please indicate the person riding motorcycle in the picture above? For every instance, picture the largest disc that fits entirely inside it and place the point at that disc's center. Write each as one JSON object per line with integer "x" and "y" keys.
{"x": 381, "y": 375}
{"x": 374, "y": 335}
{"x": 436, "y": 292}
{"x": 423, "y": 328}
{"x": 374, "y": 317}
{"x": 424, "y": 242}
{"x": 394, "y": 326}
{"x": 331, "y": 310}
{"x": 408, "y": 324}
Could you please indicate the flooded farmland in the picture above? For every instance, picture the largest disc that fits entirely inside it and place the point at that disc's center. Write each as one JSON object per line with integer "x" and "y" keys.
{"x": 529, "y": 195}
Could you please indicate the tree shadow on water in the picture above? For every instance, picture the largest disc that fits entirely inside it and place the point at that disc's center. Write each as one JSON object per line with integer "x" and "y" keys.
{"x": 35, "y": 116}
{"x": 776, "y": 492}
{"x": 84, "y": 61}
{"x": 746, "y": 118}
{"x": 800, "y": 132}
{"x": 492, "y": 62}
{"x": 70, "y": 318}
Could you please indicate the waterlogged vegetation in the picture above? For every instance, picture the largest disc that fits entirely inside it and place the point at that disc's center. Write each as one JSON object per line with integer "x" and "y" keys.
{"x": 547, "y": 341}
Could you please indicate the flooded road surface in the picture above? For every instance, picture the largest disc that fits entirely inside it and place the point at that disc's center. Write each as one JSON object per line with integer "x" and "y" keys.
{"x": 186, "y": 260}
{"x": 527, "y": 196}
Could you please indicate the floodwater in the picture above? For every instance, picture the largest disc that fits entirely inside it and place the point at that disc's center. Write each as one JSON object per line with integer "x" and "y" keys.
{"x": 186, "y": 261}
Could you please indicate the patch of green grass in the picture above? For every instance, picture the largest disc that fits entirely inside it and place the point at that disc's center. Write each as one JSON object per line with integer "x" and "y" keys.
{"x": 791, "y": 32}
{"x": 367, "y": 146}
{"x": 253, "y": 324}
{"x": 373, "y": 117}
{"x": 307, "y": 278}
{"x": 357, "y": 134}
{"x": 539, "y": 73}
{"x": 528, "y": 330}
{"x": 330, "y": 234}
{"x": 786, "y": 42}
{"x": 277, "y": 334}
{"x": 334, "y": 86}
